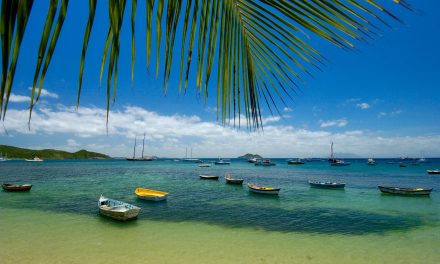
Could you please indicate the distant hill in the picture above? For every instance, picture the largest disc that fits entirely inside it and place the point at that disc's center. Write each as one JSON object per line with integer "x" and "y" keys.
{"x": 250, "y": 156}
{"x": 22, "y": 153}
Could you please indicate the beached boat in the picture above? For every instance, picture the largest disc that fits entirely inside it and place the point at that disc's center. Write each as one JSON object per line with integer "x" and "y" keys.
{"x": 208, "y": 177}
{"x": 329, "y": 185}
{"x": 16, "y": 187}
{"x": 266, "y": 162}
{"x": 263, "y": 189}
{"x": 404, "y": 191}
{"x": 151, "y": 195}
{"x": 436, "y": 171}
{"x": 371, "y": 161}
{"x": 35, "y": 159}
{"x": 231, "y": 180}
{"x": 295, "y": 162}
{"x": 117, "y": 210}
{"x": 222, "y": 162}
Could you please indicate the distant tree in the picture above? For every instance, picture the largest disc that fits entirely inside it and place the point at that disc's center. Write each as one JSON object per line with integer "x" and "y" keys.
{"x": 260, "y": 47}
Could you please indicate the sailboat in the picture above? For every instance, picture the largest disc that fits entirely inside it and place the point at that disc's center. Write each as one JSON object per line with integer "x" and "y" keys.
{"x": 335, "y": 162}
{"x": 5, "y": 158}
{"x": 142, "y": 158}
{"x": 191, "y": 159}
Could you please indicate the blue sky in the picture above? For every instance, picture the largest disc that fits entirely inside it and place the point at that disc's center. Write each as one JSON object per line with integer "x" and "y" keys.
{"x": 381, "y": 100}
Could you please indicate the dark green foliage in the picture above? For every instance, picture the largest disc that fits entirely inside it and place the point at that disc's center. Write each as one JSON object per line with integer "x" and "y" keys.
{"x": 21, "y": 153}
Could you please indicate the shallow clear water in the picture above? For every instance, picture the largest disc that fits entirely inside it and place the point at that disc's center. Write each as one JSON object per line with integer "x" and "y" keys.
{"x": 206, "y": 221}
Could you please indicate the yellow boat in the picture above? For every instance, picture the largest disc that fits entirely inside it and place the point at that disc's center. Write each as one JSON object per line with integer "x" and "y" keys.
{"x": 151, "y": 195}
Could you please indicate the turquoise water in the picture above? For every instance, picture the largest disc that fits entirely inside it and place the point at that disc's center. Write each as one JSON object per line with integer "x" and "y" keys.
{"x": 357, "y": 221}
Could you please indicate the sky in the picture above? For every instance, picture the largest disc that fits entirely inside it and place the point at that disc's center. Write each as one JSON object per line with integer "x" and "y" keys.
{"x": 380, "y": 100}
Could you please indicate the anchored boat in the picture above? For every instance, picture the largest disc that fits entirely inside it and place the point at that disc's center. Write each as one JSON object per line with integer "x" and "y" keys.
{"x": 433, "y": 171}
{"x": 117, "y": 210}
{"x": 208, "y": 177}
{"x": 263, "y": 189}
{"x": 266, "y": 162}
{"x": 295, "y": 162}
{"x": 151, "y": 195}
{"x": 231, "y": 180}
{"x": 404, "y": 191}
{"x": 329, "y": 185}
{"x": 16, "y": 187}
{"x": 35, "y": 159}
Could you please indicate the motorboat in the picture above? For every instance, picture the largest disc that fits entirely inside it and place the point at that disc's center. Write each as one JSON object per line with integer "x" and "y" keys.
{"x": 35, "y": 159}
{"x": 222, "y": 162}
{"x": 296, "y": 162}
{"x": 265, "y": 162}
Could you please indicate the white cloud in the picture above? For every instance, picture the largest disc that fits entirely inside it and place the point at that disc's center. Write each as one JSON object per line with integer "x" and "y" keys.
{"x": 287, "y": 109}
{"x": 169, "y": 135}
{"x": 352, "y": 100}
{"x": 72, "y": 143}
{"x": 389, "y": 114}
{"x": 46, "y": 93}
{"x": 338, "y": 123}
{"x": 15, "y": 98}
{"x": 363, "y": 106}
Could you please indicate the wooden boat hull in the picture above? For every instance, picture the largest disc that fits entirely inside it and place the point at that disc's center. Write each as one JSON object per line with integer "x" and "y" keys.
{"x": 327, "y": 185}
{"x": 263, "y": 190}
{"x": 117, "y": 210}
{"x": 16, "y": 188}
{"x": 121, "y": 215}
{"x": 404, "y": 191}
{"x": 150, "y": 195}
{"x": 433, "y": 171}
{"x": 208, "y": 177}
{"x": 234, "y": 181}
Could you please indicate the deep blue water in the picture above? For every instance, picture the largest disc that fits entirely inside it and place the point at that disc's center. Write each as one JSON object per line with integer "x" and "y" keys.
{"x": 74, "y": 186}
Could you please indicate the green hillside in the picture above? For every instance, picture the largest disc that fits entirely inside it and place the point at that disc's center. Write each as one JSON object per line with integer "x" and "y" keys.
{"x": 21, "y": 153}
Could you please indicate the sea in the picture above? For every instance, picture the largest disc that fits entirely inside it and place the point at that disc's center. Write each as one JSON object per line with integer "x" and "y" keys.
{"x": 208, "y": 221}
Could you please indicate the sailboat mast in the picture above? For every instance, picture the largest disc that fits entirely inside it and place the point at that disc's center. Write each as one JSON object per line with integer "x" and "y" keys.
{"x": 186, "y": 153}
{"x": 134, "y": 148}
{"x": 143, "y": 144}
{"x": 331, "y": 151}
{"x": 191, "y": 153}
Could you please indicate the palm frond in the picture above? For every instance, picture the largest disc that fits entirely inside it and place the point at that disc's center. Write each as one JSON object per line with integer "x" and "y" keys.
{"x": 258, "y": 50}
{"x": 92, "y": 10}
